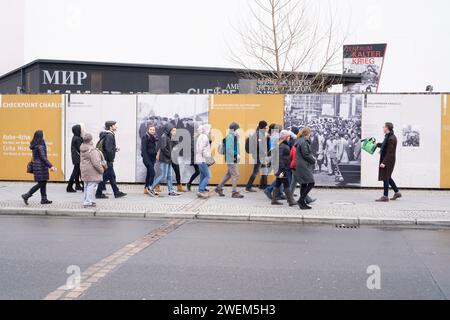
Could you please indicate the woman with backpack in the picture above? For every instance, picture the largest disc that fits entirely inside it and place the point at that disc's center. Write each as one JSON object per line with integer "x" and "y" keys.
{"x": 39, "y": 166}
{"x": 92, "y": 167}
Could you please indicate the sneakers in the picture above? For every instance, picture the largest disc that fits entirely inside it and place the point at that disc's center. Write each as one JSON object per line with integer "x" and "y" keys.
{"x": 174, "y": 194}
{"x": 383, "y": 199}
{"x": 397, "y": 196}
{"x": 203, "y": 195}
{"x": 219, "y": 192}
{"x": 303, "y": 206}
{"x": 120, "y": 195}
{"x": 268, "y": 194}
{"x": 88, "y": 206}
{"x": 237, "y": 195}
{"x": 251, "y": 190}
{"x": 102, "y": 196}
{"x": 46, "y": 201}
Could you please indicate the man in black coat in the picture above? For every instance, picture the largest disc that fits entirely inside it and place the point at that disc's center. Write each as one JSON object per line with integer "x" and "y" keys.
{"x": 149, "y": 152}
{"x": 107, "y": 146}
{"x": 75, "y": 177}
{"x": 387, "y": 163}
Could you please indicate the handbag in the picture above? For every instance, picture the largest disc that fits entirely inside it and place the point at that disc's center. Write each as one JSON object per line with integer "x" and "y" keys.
{"x": 210, "y": 161}
{"x": 102, "y": 160}
{"x": 369, "y": 145}
{"x": 30, "y": 167}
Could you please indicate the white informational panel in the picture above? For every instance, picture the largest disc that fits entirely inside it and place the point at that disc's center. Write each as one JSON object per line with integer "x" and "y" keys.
{"x": 183, "y": 111}
{"x": 92, "y": 111}
{"x": 417, "y": 121}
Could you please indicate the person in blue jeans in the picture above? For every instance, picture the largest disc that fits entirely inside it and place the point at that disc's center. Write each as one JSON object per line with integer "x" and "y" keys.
{"x": 165, "y": 161}
{"x": 202, "y": 155}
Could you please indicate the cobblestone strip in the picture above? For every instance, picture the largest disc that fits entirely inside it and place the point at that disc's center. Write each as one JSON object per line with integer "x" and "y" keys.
{"x": 101, "y": 269}
{"x": 192, "y": 206}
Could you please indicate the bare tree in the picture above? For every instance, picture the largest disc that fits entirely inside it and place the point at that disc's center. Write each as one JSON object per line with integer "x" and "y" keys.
{"x": 288, "y": 45}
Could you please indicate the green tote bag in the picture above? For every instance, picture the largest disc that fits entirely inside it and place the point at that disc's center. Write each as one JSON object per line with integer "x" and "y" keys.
{"x": 369, "y": 145}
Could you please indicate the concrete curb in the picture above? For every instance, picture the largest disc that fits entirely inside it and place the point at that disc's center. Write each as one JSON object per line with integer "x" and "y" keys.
{"x": 279, "y": 218}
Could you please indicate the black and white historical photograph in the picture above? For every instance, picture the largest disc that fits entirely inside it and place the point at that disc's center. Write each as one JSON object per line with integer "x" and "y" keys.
{"x": 185, "y": 113}
{"x": 411, "y": 137}
{"x": 335, "y": 121}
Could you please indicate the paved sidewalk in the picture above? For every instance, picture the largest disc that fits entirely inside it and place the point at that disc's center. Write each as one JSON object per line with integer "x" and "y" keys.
{"x": 334, "y": 206}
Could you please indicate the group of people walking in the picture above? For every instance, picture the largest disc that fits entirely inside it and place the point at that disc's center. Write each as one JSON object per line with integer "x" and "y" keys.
{"x": 286, "y": 154}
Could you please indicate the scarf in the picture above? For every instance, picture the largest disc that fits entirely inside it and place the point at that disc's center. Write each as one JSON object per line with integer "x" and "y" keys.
{"x": 385, "y": 142}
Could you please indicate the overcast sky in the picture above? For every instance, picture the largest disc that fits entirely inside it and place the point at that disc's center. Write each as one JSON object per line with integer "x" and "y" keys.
{"x": 198, "y": 33}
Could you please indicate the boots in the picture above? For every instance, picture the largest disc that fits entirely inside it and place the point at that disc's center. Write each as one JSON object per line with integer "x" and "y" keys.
{"x": 158, "y": 189}
{"x": 25, "y": 198}
{"x": 45, "y": 200}
{"x": 290, "y": 198}
{"x": 275, "y": 202}
{"x": 79, "y": 186}
{"x": 180, "y": 188}
{"x": 70, "y": 188}
{"x": 302, "y": 205}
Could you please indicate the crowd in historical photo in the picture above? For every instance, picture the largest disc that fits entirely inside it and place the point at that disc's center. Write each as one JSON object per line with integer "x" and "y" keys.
{"x": 335, "y": 122}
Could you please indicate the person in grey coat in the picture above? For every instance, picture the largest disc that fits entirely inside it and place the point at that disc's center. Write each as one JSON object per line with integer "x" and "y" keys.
{"x": 304, "y": 168}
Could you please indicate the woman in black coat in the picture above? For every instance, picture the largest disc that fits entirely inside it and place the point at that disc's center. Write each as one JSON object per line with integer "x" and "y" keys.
{"x": 304, "y": 166}
{"x": 75, "y": 177}
{"x": 149, "y": 152}
{"x": 40, "y": 165}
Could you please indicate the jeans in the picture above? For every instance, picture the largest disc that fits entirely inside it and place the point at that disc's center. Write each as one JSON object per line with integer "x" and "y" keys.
{"x": 387, "y": 183}
{"x": 205, "y": 175}
{"x": 89, "y": 193}
{"x": 41, "y": 185}
{"x": 108, "y": 175}
{"x": 233, "y": 174}
{"x": 166, "y": 173}
{"x": 150, "y": 174}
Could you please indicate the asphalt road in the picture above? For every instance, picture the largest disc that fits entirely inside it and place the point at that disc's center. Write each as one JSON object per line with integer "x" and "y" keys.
{"x": 209, "y": 260}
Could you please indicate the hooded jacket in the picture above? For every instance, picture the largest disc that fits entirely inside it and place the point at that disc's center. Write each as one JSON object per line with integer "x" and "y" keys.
{"x": 91, "y": 165}
{"x": 203, "y": 147}
{"x": 77, "y": 140}
{"x": 40, "y": 161}
{"x": 149, "y": 149}
{"x": 166, "y": 144}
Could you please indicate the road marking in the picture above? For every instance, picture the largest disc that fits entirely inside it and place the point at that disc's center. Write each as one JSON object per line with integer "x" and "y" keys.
{"x": 101, "y": 269}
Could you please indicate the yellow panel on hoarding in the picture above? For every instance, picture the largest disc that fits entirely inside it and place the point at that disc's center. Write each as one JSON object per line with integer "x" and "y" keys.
{"x": 247, "y": 110}
{"x": 445, "y": 153}
{"x": 20, "y": 117}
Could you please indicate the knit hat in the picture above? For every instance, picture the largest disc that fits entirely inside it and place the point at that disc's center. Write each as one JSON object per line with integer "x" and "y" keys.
{"x": 234, "y": 126}
{"x": 284, "y": 134}
{"x": 87, "y": 138}
{"x": 109, "y": 124}
{"x": 262, "y": 124}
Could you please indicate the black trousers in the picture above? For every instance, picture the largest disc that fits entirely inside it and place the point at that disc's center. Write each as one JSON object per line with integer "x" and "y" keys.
{"x": 195, "y": 175}
{"x": 150, "y": 174}
{"x": 387, "y": 183}
{"x": 251, "y": 180}
{"x": 176, "y": 169}
{"x": 305, "y": 190}
{"x": 110, "y": 176}
{"x": 282, "y": 182}
{"x": 75, "y": 177}
{"x": 41, "y": 185}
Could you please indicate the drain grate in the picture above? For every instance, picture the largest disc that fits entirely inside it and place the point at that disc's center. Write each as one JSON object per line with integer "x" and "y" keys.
{"x": 347, "y": 226}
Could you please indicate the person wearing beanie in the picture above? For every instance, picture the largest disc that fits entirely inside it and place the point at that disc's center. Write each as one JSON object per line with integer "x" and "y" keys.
{"x": 92, "y": 168}
{"x": 107, "y": 145}
{"x": 282, "y": 172}
{"x": 231, "y": 152}
{"x": 256, "y": 145}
